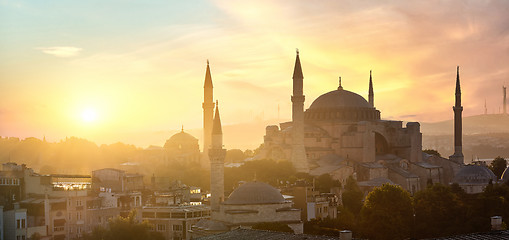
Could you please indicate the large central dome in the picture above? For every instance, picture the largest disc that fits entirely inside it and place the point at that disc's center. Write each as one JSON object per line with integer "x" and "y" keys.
{"x": 340, "y": 99}
{"x": 341, "y": 106}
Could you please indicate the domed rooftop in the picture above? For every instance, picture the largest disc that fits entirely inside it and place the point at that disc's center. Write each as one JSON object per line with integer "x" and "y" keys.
{"x": 254, "y": 193}
{"x": 181, "y": 140}
{"x": 340, "y": 99}
{"x": 474, "y": 174}
{"x": 341, "y": 106}
{"x": 182, "y": 137}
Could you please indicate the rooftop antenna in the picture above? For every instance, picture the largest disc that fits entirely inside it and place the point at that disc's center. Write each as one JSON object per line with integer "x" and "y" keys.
{"x": 485, "y": 108}
{"x": 340, "y": 86}
{"x": 278, "y": 112}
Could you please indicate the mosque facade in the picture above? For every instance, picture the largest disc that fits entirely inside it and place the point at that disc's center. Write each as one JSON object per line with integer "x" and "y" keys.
{"x": 342, "y": 134}
{"x": 249, "y": 204}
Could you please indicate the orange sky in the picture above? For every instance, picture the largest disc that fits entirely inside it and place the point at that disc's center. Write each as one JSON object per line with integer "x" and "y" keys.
{"x": 139, "y": 67}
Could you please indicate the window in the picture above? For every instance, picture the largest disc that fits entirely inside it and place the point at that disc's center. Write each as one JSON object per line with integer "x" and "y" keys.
{"x": 22, "y": 223}
{"x": 78, "y": 202}
{"x": 161, "y": 227}
{"x": 177, "y": 227}
{"x": 78, "y": 215}
{"x": 70, "y": 216}
{"x": 58, "y": 229}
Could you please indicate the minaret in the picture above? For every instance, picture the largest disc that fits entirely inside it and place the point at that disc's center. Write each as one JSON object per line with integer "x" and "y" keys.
{"x": 208, "y": 114}
{"x": 371, "y": 94}
{"x": 216, "y": 156}
{"x": 504, "y": 103}
{"x": 298, "y": 157}
{"x": 458, "y": 151}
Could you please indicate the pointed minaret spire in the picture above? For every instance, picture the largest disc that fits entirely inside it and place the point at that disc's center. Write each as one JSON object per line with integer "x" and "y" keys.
{"x": 208, "y": 77}
{"x": 208, "y": 115}
{"x": 458, "y": 126}
{"x": 371, "y": 95}
{"x": 458, "y": 87}
{"x": 298, "y": 157}
{"x": 340, "y": 85}
{"x": 216, "y": 126}
{"x": 297, "y": 76}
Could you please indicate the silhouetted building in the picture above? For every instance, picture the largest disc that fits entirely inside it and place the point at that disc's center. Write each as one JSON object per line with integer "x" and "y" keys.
{"x": 174, "y": 222}
{"x": 251, "y": 203}
{"x": 344, "y": 135}
{"x": 182, "y": 147}
{"x": 116, "y": 180}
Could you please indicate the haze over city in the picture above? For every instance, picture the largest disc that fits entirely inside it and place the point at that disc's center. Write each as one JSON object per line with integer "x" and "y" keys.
{"x": 133, "y": 72}
{"x": 269, "y": 119}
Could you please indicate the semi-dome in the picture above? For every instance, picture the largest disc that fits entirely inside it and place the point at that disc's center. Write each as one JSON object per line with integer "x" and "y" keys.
{"x": 340, "y": 99}
{"x": 254, "y": 193}
{"x": 474, "y": 174}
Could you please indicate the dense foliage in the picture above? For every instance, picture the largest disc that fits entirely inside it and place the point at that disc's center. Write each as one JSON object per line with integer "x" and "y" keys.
{"x": 389, "y": 212}
{"x": 498, "y": 165}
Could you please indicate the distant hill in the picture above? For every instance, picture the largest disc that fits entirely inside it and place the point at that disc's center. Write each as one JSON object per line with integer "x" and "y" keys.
{"x": 479, "y": 124}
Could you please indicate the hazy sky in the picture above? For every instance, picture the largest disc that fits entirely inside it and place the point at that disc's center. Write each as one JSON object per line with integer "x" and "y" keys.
{"x": 111, "y": 70}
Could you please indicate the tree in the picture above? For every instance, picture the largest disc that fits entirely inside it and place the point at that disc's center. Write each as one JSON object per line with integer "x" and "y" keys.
{"x": 438, "y": 212}
{"x": 126, "y": 228}
{"x": 432, "y": 152}
{"x": 352, "y": 196}
{"x": 325, "y": 182}
{"x": 498, "y": 165}
{"x": 387, "y": 213}
{"x": 273, "y": 226}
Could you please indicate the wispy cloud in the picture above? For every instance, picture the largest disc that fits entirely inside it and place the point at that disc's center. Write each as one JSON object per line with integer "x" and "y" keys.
{"x": 61, "y": 51}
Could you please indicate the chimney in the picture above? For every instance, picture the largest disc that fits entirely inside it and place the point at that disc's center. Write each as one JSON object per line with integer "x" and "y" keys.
{"x": 346, "y": 235}
{"x": 496, "y": 223}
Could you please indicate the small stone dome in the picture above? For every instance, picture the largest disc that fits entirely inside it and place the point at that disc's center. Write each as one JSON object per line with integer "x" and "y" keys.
{"x": 474, "y": 174}
{"x": 340, "y": 99}
{"x": 181, "y": 141}
{"x": 254, "y": 193}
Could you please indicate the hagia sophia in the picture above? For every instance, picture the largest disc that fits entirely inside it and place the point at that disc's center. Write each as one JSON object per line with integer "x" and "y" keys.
{"x": 340, "y": 134}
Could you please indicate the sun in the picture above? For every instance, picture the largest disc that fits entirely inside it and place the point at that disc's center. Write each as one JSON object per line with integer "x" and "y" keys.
{"x": 89, "y": 115}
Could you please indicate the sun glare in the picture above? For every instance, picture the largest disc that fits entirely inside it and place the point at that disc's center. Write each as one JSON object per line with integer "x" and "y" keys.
{"x": 89, "y": 115}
